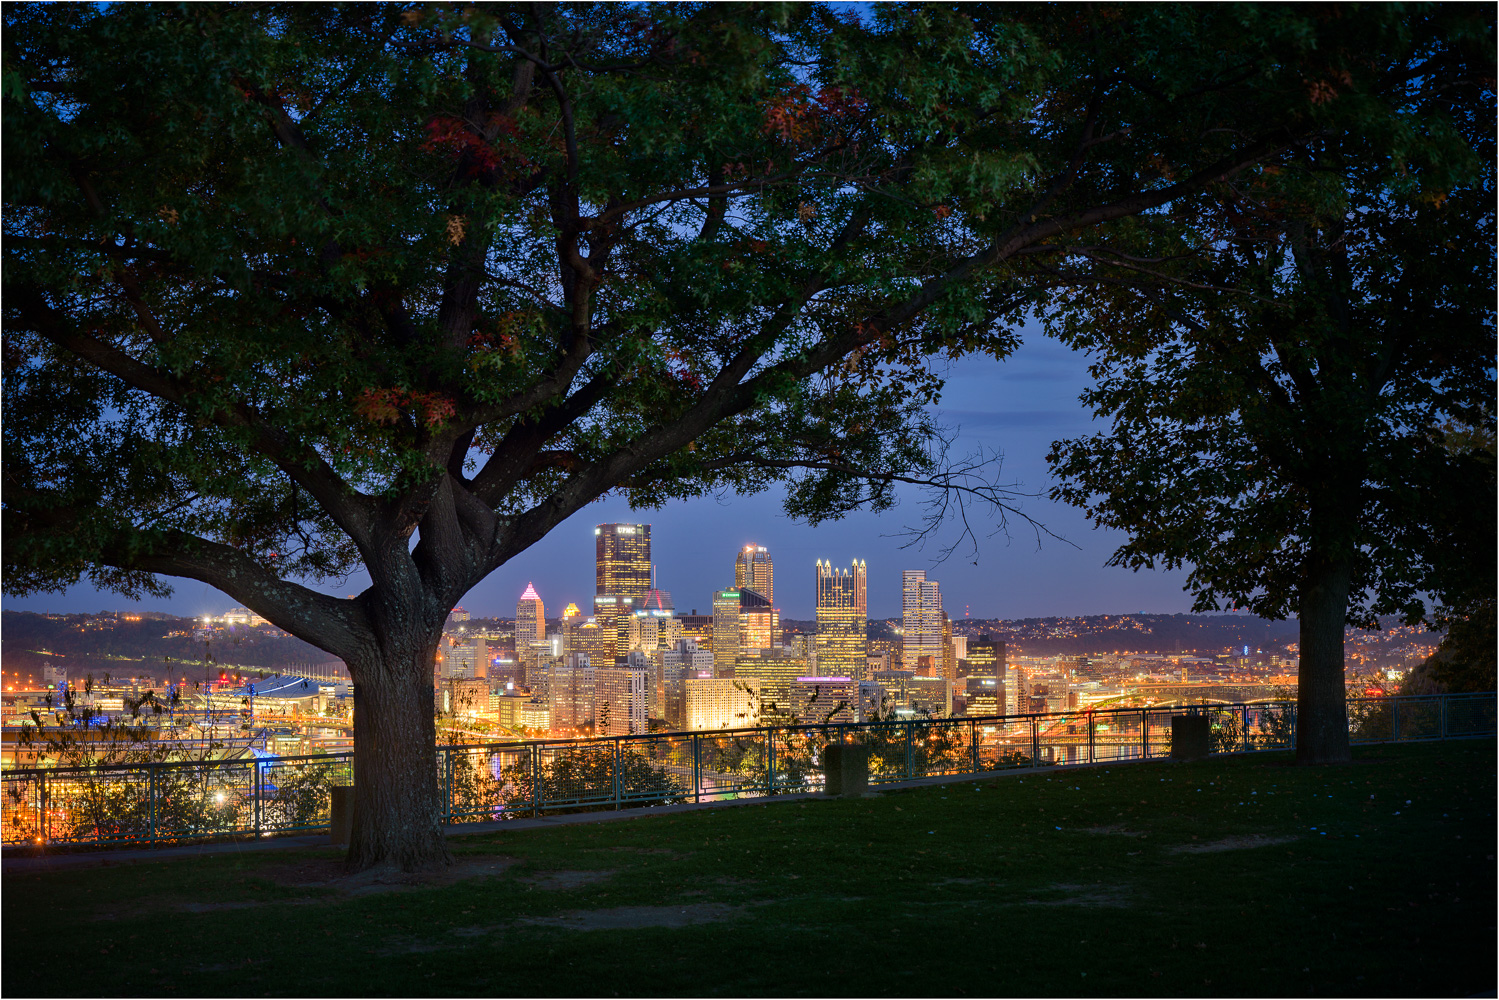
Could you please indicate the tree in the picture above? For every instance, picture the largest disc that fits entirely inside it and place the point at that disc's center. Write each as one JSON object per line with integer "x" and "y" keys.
{"x": 321, "y": 288}
{"x": 1281, "y": 366}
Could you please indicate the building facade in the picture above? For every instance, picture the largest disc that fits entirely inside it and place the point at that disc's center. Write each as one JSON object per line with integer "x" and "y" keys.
{"x": 842, "y": 622}
{"x": 753, "y": 569}
{"x": 818, "y": 700}
{"x": 722, "y": 703}
{"x": 530, "y": 618}
{"x": 622, "y": 569}
{"x": 921, "y": 622}
{"x": 571, "y": 689}
{"x": 622, "y": 698}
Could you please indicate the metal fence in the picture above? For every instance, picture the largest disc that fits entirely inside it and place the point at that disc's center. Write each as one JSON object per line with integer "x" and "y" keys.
{"x": 177, "y": 801}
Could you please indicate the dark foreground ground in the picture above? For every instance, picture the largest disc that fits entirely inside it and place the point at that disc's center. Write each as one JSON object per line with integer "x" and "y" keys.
{"x": 1241, "y": 876}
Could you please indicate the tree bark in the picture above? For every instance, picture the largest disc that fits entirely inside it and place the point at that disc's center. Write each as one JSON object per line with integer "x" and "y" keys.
{"x": 1321, "y": 692}
{"x": 398, "y": 805}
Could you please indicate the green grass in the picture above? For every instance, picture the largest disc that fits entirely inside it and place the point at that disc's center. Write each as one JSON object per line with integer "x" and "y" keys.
{"x": 963, "y": 889}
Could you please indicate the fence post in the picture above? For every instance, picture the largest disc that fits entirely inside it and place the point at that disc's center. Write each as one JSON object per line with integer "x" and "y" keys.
{"x": 697, "y": 770}
{"x": 1145, "y": 733}
{"x": 973, "y": 742}
{"x": 1244, "y": 727}
{"x": 257, "y": 787}
{"x": 1091, "y": 735}
{"x": 536, "y": 780}
{"x": 1035, "y": 742}
{"x": 1395, "y": 720}
{"x": 770, "y": 761}
{"x": 151, "y": 798}
{"x": 910, "y": 752}
{"x": 616, "y": 774}
{"x": 1442, "y": 713}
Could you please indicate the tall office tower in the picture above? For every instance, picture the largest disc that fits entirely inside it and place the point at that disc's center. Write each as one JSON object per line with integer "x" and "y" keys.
{"x": 759, "y": 623}
{"x": 622, "y": 569}
{"x": 597, "y": 642}
{"x": 842, "y": 643}
{"x": 530, "y": 618}
{"x": 621, "y": 698}
{"x": 921, "y": 621}
{"x": 725, "y": 631}
{"x": 753, "y": 569}
{"x": 571, "y": 619}
{"x": 949, "y": 653}
{"x": 572, "y": 685}
{"x": 985, "y": 658}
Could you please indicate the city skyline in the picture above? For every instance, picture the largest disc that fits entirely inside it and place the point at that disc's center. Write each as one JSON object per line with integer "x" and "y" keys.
{"x": 1017, "y": 407}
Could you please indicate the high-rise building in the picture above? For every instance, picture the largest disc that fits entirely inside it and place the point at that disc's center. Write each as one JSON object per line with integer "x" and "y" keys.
{"x": 621, "y": 698}
{"x": 622, "y": 569}
{"x": 759, "y": 622}
{"x": 572, "y": 684}
{"x": 753, "y": 569}
{"x": 725, "y": 631}
{"x": 530, "y": 618}
{"x": 985, "y": 658}
{"x": 921, "y": 621}
{"x": 842, "y": 602}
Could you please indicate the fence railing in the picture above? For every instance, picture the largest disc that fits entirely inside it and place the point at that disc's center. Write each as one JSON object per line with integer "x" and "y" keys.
{"x": 176, "y": 801}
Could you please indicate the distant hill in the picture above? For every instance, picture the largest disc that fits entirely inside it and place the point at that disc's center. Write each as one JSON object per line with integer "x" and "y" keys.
{"x": 104, "y": 643}
{"x": 1079, "y": 635}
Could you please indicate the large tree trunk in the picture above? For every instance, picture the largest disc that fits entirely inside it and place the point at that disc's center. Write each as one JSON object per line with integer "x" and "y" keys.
{"x": 398, "y": 808}
{"x": 1321, "y": 693}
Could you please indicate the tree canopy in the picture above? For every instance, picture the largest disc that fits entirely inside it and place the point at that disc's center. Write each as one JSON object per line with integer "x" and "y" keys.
{"x": 1295, "y": 368}
{"x": 294, "y": 289}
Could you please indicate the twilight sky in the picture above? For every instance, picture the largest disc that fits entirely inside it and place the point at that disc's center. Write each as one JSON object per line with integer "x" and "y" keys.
{"x": 1017, "y": 407}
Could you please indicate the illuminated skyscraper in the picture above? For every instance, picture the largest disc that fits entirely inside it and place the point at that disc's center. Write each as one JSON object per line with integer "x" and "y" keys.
{"x": 725, "y": 631}
{"x": 753, "y": 569}
{"x": 622, "y": 569}
{"x": 842, "y": 605}
{"x": 759, "y": 622}
{"x": 921, "y": 622}
{"x": 530, "y": 618}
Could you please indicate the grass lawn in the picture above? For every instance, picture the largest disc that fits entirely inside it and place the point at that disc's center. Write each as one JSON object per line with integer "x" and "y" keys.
{"x": 1237, "y": 876}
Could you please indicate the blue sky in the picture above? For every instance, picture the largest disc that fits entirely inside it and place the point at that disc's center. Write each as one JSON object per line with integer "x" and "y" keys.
{"x": 1017, "y": 407}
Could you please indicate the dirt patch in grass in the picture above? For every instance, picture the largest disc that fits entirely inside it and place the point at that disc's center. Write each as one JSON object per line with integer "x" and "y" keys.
{"x": 1113, "y": 829}
{"x": 328, "y": 874}
{"x": 1241, "y": 843}
{"x": 637, "y": 917}
{"x": 1087, "y": 895}
{"x": 559, "y": 881}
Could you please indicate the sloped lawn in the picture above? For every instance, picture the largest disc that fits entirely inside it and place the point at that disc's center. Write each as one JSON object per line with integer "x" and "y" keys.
{"x": 1237, "y": 876}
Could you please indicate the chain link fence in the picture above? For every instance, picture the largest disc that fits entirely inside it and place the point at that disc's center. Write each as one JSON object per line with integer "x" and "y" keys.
{"x": 265, "y": 796}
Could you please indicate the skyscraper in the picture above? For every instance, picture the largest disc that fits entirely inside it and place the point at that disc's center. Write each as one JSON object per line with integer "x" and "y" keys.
{"x": 622, "y": 569}
{"x": 753, "y": 569}
{"x": 921, "y": 622}
{"x": 530, "y": 618}
{"x": 725, "y": 631}
{"x": 842, "y": 606}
